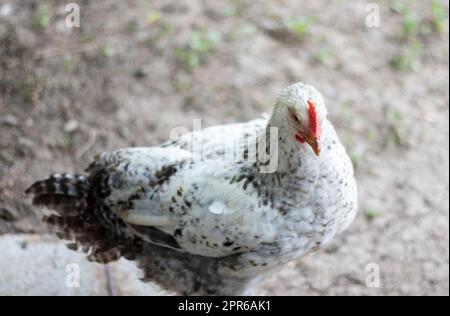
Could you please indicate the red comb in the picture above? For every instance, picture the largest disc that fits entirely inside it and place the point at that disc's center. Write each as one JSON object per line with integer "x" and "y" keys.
{"x": 313, "y": 119}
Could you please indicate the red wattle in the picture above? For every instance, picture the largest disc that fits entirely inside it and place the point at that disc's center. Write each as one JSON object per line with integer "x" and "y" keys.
{"x": 299, "y": 138}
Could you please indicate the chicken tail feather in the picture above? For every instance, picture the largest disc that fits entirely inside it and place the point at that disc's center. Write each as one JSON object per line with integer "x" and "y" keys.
{"x": 81, "y": 219}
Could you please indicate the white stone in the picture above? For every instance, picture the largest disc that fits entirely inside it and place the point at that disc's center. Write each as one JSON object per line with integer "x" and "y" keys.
{"x": 71, "y": 126}
{"x": 42, "y": 265}
{"x": 6, "y": 9}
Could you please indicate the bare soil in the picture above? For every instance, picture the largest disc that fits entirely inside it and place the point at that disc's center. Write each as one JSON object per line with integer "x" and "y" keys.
{"x": 136, "y": 69}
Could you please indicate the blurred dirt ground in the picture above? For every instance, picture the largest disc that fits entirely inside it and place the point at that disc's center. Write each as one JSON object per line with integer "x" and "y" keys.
{"x": 136, "y": 69}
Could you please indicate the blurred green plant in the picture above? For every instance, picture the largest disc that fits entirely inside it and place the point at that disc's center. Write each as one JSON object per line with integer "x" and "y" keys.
{"x": 6, "y": 157}
{"x": 395, "y": 135}
{"x": 372, "y": 213}
{"x": 300, "y": 26}
{"x": 69, "y": 63}
{"x": 323, "y": 56}
{"x": 249, "y": 29}
{"x": 67, "y": 141}
{"x": 355, "y": 158}
{"x": 413, "y": 29}
{"x": 86, "y": 36}
{"x": 41, "y": 18}
{"x": 107, "y": 50}
{"x": 132, "y": 26}
{"x": 200, "y": 45}
{"x": 345, "y": 114}
{"x": 410, "y": 25}
{"x": 439, "y": 16}
{"x": 29, "y": 88}
{"x": 408, "y": 59}
{"x": 240, "y": 31}
{"x": 371, "y": 134}
{"x": 163, "y": 30}
{"x": 230, "y": 10}
{"x": 153, "y": 17}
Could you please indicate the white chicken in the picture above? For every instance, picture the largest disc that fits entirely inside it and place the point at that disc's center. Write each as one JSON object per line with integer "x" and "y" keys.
{"x": 199, "y": 220}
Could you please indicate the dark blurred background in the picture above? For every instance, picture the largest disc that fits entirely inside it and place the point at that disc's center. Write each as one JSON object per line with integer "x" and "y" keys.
{"x": 133, "y": 70}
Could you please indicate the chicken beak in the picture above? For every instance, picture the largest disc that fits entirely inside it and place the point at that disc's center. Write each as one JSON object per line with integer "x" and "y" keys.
{"x": 314, "y": 142}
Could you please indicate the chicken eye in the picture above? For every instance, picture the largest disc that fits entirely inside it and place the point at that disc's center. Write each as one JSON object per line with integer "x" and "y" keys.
{"x": 294, "y": 116}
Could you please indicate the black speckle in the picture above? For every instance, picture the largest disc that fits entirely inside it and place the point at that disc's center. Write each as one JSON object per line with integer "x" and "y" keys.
{"x": 178, "y": 232}
{"x": 282, "y": 210}
{"x": 241, "y": 177}
{"x": 245, "y": 153}
{"x": 165, "y": 173}
{"x": 228, "y": 243}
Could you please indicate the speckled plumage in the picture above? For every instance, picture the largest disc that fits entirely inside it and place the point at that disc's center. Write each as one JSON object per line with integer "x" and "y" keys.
{"x": 197, "y": 214}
